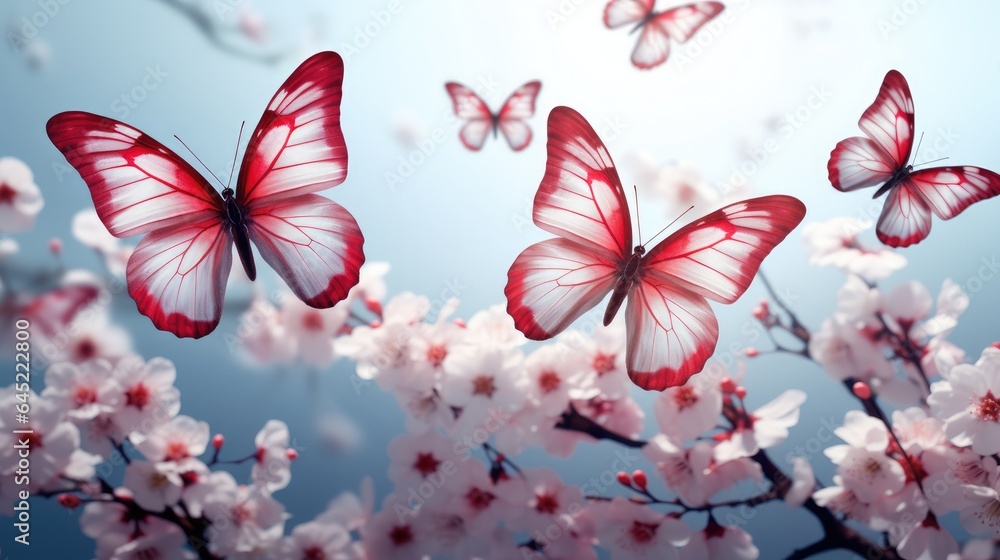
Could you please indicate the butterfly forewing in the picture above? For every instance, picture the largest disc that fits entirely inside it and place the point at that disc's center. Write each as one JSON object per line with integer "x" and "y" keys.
{"x": 138, "y": 185}
{"x": 298, "y": 146}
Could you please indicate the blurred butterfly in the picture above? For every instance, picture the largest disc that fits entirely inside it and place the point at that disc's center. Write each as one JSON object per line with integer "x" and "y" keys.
{"x": 658, "y": 28}
{"x": 480, "y": 121}
{"x": 671, "y": 331}
{"x": 882, "y": 158}
{"x": 178, "y": 272}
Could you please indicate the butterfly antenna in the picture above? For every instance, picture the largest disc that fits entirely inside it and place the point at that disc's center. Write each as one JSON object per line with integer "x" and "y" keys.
{"x": 199, "y": 159}
{"x": 930, "y": 162}
{"x": 638, "y": 222}
{"x": 670, "y": 224}
{"x": 919, "y": 142}
{"x": 233, "y": 168}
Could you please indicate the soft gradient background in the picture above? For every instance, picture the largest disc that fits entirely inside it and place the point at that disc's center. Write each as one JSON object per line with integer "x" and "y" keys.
{"x": 461, "y": 217}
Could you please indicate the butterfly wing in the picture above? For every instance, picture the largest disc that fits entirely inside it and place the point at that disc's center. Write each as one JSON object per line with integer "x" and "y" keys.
{"x": 177, "y": 276}
{"x": 518, "y": 107}
{"x": 950, "y": 190}
{"x": 672, "y": 331}
{"x": 581, "y": 200}
{"x": 889, "y": 120}
{"x": 553, "y": 283}
{"x": 298, "y": 148}
{"x": 473, "y": 110}
{"x": 314, "y": 244}
{"x": 138, "y": 185}
{"x": 178, "y": 272}
{"x": 624, "y": 12}
{"x": 857, "y": 163}
{"x": 679, "y": 24}
{"x": 906, "y": 216}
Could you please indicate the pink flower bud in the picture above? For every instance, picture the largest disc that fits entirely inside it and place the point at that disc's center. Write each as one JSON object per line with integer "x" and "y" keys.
{"x": 624, "y": 479}
{"x": 376, "y": 324}
{"x": 751, "y": 352}
{"x": 217, "y": 441}
{"x": 727, "y": 385}
{"x": 862, "y": 390}
{"x": 55, "y": 245}
{"x": 741, "y": 392}
{"x": 459, "y": 322}
{"x": 291, "y": 454}
{"x": 70, "y": 501}
{"x": 374, "y": 305}
{"x": 640, "y": 479}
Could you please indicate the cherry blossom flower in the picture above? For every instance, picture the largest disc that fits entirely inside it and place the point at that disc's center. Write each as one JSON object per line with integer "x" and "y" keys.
{"x": 982, "y": 514}
{"x": 863, "y": 464}
{"x": 634, "y": 532}
{"x": 179, "y": 438}
{"x": 485, "y": 383}
{"x": 90, "y": 336}
{"x": 763, "y": 428}
{"x": 312, "y": 330}
{"x": 841, "y": 499}
{"x": 600, "y": 357}
{"x": 693, "y": 473}
{"x": 154, "y": 486}
{"x": 114, "y": 524}
{"x": 927, "y": 541}
{"x": 148, "y": 395}
{"x": 716, "y": 542}
{"x": 551, "y": 379}
{"x": 313, "y": 540}
{"x": 157, "y": 545}
{"x": 396, "y": 532}
{"x": 688, "y": 411}
{"x": 415, "y": 458}
{"x": 52, "y": 439}
{"x": 83, "y": 391}
{"x": 20, "y": 199}
{"x": 543, "y": 500}
{"x": 262, "y": 336}
{"x": 271, "y": 467}
{"x": 244, "y": 518}
{"x": 834, "y": 242}
{"x": 976, "y": 549}
{"x": 969, "y": 403}
{"x": 494, "y": 327}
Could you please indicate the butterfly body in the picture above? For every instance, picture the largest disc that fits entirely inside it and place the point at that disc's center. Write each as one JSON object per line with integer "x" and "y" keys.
{"x": 179, "y": 270}
{"x": 626, "y": 280}
{"x": 239, "y": 228}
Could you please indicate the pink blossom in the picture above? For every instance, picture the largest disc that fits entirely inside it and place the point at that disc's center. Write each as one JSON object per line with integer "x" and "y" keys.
{"x": 244, "y": 518}
{"x": 716, "y": 542}
{"x": 180, "y": 438}
{"x": 271, "y": 468}
{"x": 688, "y": 411}
{"x": 634, "y": 532}
{"x": 693, "y": 473}
{"x": 763, "y": 428}
{"x": 803, "y": 483}
{"x": 863, "y": 464}
{"x": 20, "y": 199}
{"x": 154, "y": 486}
{"x": 927, "y": 541}
{"x": 968, "y": 402}
{"x": 83, "y": 391}
{"x": 834, "y": 242}
{"x": 52, "y": 439}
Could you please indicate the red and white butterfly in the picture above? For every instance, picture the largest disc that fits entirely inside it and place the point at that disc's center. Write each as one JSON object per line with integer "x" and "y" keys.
{"x": 670, "y": 327}
{"x": 178, "y": 272}
{"x": 882, "y": 158}
{"x": 480, "y": 121}
{"x": 658, "y": 28}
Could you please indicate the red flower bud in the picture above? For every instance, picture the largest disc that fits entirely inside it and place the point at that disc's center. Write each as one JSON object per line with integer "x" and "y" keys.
{"x": 70, "y": 501}
{"x": 727, "y": 385}
{"x": 741, "y": 392}
{"x": 751, "y": 352}
{"x": 640, "y": 479}
{"x": 862, "y": 390}
{"x": 55, "y": 245}
{"x": 217, "y": 441}
{"x": 374, "y": 305}
{"x": 291, "y": 454}
{"x": 624, "y": 479}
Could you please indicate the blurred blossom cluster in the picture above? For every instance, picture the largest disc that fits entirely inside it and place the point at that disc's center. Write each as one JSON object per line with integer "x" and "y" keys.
{"x": 108, "y": 438}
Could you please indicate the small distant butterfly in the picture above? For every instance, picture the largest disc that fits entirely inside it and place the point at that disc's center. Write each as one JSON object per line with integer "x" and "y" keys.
{"x": 881, "y": 159}
{"x": 671, "y": 330}
{"x": 658, "y": 28}
{"x": 480, "y": 121}
{"x": 178, "y": 272}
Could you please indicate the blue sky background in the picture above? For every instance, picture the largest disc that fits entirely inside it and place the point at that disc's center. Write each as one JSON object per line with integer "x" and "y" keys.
{"x": 459, "y": 217}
